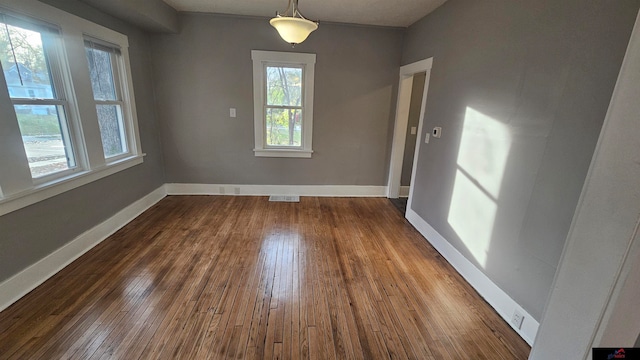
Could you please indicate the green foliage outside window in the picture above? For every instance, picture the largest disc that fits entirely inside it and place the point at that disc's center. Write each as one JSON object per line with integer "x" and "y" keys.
{"x": 284, "y": 106}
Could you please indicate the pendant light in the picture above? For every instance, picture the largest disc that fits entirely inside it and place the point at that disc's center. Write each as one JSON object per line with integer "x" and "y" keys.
{"x": 291, "y": 25}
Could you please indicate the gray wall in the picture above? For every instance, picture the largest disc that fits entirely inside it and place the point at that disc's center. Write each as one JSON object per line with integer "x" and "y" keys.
{"x": 544, "y": 71}
{"x": 151, "y": 15}
{"x": 31, "y": 233}
{"x": 594, "y": 301}
{"x": 415, "y": 105}
{"x": 207, "y": 69}
{"x": 637, "y": 341}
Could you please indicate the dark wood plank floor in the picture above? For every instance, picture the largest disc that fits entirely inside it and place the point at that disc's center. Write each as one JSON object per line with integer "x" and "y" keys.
{"x": 240, "y": 277}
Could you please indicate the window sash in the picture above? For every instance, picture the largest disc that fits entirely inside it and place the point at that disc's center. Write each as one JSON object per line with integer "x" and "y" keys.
{"x": 23, "y": 101}
{"x": 51, "y": 43}
{"x": 122, "y": 129}
{"x": 266, "y": 105}
{"x": 283, "y": 107}
{"x": 67, "y": 139}
{"x": 15, "y": 19}
{"x": 94, "y": 43}
{"x": 51, "y": 47}
{"x": 116, "y": 65}
{"x": 266, "y": 65}
{"x": 110, "y": 102}
{"x": 114, "y": 57}
{"x": 266, "y": 128}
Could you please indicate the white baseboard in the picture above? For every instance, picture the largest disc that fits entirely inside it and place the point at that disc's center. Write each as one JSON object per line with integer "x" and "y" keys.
{"x": 265, "y": 190}
{"x": 496, "y": 297}
{"x": 22, "y": 283}
{"x": 28, "y": 279}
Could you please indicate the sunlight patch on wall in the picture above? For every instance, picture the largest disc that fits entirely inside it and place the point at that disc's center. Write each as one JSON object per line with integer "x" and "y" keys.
{"x": 482, "y": 158}
{"x": 484, "y": 149}
{"x": 471, "y": 215}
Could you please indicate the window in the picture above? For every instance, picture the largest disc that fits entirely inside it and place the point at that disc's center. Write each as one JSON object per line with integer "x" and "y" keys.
{"x": 28, "y": 57}
{"x": 283, "y": 103}
{"x": 104, "y": 72}
{"x": 66, "y": 103}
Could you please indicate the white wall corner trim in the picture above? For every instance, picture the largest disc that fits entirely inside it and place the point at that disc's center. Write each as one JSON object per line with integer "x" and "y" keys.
{"x": 496, "y": 297}
{"x": 266, "y": 190}
{"x": 28, "y": 279}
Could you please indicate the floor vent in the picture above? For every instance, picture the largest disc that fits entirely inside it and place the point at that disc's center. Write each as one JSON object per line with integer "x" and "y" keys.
{"x": 284, "y": 198}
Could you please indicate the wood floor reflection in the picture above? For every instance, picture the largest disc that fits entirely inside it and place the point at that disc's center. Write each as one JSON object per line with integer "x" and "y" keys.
{"x": 202, "y": 277}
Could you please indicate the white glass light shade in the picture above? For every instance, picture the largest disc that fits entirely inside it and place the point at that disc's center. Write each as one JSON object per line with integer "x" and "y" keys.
{"x": 293, "y": 30}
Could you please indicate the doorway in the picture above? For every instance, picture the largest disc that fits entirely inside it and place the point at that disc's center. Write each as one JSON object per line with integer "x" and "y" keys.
{"x": 412, "y": 96}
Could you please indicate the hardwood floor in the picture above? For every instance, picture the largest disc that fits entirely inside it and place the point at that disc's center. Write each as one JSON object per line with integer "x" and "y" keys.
{"x": 239, "y": 277}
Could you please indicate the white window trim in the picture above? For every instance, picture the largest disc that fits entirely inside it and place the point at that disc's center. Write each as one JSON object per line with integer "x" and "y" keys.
{"x": 307, "y": 61}
{"x": 52, "y": 47}
{"x": 17, "y": 190}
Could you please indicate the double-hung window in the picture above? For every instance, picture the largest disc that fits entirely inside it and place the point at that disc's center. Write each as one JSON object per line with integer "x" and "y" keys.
{"x": 29, "y": 53}
{"x": 104, "y": 69}
{"x": 67, "y": 109}
{"x": 283, "y": 103}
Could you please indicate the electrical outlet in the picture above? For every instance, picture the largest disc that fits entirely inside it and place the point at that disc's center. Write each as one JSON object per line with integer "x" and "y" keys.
{"x": 517, "y": 319}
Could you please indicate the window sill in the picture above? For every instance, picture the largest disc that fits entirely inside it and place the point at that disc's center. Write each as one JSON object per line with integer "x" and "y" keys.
{"x": 289, "y": 153}
{"x": 55, "y": 187}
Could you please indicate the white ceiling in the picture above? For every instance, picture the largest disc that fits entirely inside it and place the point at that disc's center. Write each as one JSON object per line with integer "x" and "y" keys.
{"x": 367, "y": 12}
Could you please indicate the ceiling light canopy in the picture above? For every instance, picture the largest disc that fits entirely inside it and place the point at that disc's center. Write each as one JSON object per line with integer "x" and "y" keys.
{"x": 292, "y": 26}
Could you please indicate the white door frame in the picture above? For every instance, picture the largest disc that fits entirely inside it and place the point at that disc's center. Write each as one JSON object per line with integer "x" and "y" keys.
{"x": 602, "y": 248}
{"x": 402, "y": 121}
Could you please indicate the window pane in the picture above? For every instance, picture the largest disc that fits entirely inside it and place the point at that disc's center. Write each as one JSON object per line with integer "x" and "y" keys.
{"x": 101, "y": 74}
{"x": 111, "y": 130}
{"x": 45, "y": 138}
{"x": 24, "y": 63}
{"x": 284, "y": 86}
{"x": 284, "y": 127}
